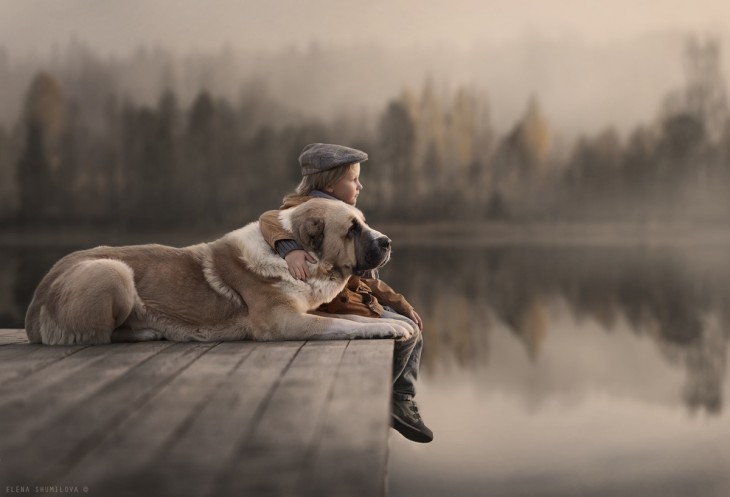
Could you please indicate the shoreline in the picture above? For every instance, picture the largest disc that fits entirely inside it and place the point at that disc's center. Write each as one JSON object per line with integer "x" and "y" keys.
{"x": 559, "y": 233}
{"x": 421, "y": 234}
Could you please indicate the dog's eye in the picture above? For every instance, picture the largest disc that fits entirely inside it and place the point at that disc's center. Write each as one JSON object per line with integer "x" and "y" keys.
{"x": 355, "y": 228}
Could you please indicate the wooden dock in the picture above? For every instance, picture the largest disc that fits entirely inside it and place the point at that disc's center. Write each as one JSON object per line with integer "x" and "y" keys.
{"x": 189, "y": 419}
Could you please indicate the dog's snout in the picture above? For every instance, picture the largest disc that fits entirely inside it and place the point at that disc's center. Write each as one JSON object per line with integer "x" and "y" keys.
{"x": 384, "y": 242}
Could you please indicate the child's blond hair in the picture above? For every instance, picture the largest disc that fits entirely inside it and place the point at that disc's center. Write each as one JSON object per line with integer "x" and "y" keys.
{"x": 321, "y": 180}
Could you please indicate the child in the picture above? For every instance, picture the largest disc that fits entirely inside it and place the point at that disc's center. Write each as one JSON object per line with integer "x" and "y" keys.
{"x": 332, "y": 171}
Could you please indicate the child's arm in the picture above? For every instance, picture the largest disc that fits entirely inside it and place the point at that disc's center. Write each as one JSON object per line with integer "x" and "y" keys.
{"x": 387, "y": 296}
{"x": 282, "y": 242}
{"x": 275, "y": 235}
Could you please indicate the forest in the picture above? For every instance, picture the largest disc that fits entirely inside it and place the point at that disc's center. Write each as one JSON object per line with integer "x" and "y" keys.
{"x": 83, "y": 154}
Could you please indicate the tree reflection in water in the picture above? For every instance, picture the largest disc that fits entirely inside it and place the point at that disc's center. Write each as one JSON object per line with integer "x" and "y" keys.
{"x": 677, "y": 298}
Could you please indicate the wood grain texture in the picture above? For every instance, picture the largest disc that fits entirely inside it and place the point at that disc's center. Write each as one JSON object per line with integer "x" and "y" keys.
{"x": 353, "y": 424}
{"x": 8, "y": 336}
{"x": 20, "y": 360}
{"x": 195, "y": 419}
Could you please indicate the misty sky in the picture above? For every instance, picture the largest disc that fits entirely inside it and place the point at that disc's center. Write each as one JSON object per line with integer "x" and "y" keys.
{"x": 575, "y": 55}
{"x": 121, "y": 25}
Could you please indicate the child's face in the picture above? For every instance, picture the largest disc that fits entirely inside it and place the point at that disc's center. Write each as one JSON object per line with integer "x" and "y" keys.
{"x": 348, "y": 187}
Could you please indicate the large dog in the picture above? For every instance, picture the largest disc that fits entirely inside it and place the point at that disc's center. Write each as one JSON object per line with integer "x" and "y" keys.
{"x": 235, "y": 288}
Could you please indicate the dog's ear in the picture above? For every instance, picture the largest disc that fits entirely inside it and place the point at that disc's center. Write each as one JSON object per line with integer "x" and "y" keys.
{"x": 311, "y": 233}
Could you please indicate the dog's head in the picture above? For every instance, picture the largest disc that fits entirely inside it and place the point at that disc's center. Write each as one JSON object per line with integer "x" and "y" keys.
{"x": 338, "y": 234}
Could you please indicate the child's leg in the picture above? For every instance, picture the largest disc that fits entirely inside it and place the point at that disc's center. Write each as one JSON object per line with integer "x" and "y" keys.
{"x": 406, "y": 360}
{"x": 404, "y": 415}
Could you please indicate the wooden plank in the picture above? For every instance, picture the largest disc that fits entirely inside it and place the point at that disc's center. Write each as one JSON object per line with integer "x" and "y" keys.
{"x": 8, "y": 336}
{"x": 208, "y": 447}
{"x": 134, "y": 445}
{"x": 353, "y": 439}
{"x": 284, "y": 434}
{"x": 44, "y": 383}
{"x": 51, "y": 399}
{"x": 20, "y": 360}
{"x": 60, "y": 443}
{"x": 162, "y": 418}
{"x": 190, "y": 464}
{"x": 304, "y": 387}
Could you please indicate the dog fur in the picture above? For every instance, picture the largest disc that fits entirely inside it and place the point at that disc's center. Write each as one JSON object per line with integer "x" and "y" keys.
{"x": 234, "y": 288}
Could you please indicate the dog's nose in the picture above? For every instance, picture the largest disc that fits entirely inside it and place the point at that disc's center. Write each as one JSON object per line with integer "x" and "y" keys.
{"x": 384, "y": 242}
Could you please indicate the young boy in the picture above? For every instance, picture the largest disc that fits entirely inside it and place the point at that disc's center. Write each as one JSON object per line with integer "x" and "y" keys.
{"x": 333, "y": 172}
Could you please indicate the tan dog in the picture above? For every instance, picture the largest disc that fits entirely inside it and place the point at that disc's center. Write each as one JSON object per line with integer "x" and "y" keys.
{"x": 235, "y": 288}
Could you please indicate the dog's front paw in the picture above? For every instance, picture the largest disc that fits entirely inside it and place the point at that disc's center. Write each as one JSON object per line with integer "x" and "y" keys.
{"x": 387, "y": 330}
{"x": 399, "y": 332}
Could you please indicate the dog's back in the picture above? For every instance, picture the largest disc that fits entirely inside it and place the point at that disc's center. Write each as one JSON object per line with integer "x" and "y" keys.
{"x": 89, "y": 294}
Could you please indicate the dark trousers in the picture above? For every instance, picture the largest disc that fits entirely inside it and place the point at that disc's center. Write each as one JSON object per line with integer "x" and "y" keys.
{"x": 406, "y": 359}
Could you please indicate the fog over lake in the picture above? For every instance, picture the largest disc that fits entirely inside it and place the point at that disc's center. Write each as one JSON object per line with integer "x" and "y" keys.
{"x": 554, "y": 176}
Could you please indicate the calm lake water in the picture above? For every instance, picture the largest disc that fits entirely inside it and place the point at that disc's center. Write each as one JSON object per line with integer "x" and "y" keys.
{"x": 549, "y": 370}
{"x": 569, "y": 371}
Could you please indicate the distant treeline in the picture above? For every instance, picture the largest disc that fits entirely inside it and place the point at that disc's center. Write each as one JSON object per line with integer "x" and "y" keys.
{"x": 433, "y": 156}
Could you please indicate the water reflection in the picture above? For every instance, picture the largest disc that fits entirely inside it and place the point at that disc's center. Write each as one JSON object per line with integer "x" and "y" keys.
{"x": 23, "y": 269}
{"x": 676, "y": 299}
{"x": 568, "y": 371}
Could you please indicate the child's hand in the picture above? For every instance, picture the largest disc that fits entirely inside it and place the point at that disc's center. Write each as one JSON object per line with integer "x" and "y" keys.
{"x": 416, "y": 319}
{"x": 297, "y": 260}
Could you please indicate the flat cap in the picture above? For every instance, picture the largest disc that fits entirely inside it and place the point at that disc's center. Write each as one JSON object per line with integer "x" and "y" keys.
{"x": 317, "y": 157}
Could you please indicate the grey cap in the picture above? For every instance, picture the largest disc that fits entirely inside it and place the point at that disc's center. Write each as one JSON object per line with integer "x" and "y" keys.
{"x": 317, "y": 157}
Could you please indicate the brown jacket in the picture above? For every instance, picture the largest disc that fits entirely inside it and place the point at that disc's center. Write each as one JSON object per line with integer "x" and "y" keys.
{"x": 361, "y": 296}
